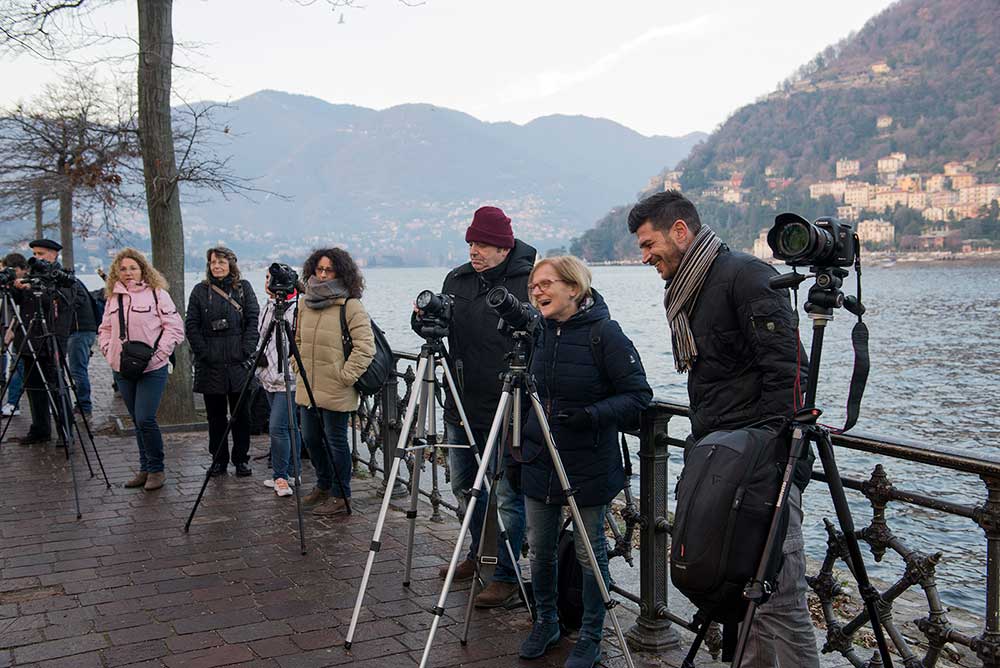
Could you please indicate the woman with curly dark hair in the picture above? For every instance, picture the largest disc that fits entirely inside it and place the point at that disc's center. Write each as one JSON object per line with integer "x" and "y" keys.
{"x": 333, "y": 285}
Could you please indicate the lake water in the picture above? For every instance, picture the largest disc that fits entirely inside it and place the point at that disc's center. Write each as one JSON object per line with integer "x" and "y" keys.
{"x": 934, "y": 347}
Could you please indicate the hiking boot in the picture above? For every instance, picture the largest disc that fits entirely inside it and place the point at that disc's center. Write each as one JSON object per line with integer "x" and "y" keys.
{"x": 464, "y": 571}
{"x": 282, "y": 488}
{"x": 243, "y": 470}
{"x": 332, "y": 506}
{"x": 543, "y": 636}
{"x": 586, "y": 653}
{"x": 154, "y": 481}
{"x": 315, "y": 497}
{"x": 497, "y": 594}
{"x": 138, "y": 481}
{"x": 219, "y": 468}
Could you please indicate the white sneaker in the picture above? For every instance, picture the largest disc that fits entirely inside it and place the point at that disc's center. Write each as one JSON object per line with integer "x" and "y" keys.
{"x": 281, "y": 487}
{"x": 10, "y": 409}
{"x": 269, "y": 482}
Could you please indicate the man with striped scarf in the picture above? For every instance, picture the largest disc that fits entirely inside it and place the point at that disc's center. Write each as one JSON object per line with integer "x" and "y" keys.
{"x": 737, "y": 339}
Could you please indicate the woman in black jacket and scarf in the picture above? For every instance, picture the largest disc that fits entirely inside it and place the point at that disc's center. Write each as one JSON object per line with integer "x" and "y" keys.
{"x": 591, "y": 382}
{"x": 221, "y": 326}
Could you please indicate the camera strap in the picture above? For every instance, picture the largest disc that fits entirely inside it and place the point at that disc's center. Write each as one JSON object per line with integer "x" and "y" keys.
{"x": 123, "y": 323}
{"x": 232, "y": 302}
{"x": 859, "y": 378}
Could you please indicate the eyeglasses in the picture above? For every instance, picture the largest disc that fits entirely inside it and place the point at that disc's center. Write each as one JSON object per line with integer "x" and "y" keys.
{"x": 324, "y": 270}
{"x": 544, "y": 284}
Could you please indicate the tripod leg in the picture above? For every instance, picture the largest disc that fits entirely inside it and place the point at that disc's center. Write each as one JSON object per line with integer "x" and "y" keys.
{"x": 426, "y": 430}
{"x": 390, "y": 481}
{"x": 86, "y": 424}
{"x": 229, "y": 425}
{"x": 17, "y": 360}
{"x": 870, "y": 595}
{"x": 283, "y": 334}
{"x": 580, "y": 530}
{"x": 438, "y": 610}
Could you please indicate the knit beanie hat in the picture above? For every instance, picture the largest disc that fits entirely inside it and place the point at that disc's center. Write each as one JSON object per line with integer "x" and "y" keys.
{"x": 490, "y": 225}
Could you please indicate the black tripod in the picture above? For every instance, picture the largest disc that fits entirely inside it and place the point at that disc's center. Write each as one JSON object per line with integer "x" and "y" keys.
{"x": 58, "y": 398}
{"x": 284, "y": 342}
{"x": 518, "y": 379}
{"x": 824, "y": 296}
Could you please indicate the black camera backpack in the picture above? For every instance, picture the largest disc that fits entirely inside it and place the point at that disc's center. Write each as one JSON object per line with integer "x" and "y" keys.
{"x": 382, "y": 364}
{"x": 725, "y": 502}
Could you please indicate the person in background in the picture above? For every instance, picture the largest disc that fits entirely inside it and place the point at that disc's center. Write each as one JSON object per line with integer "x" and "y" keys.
{"x": 221, "y": 326}
{"x": 15, "y": 386}
{"x": 79, "y": 346}
{"x": 589, "y": 391}
{"x": 137, "y": 294}
{"x": 272, "y": 379}
{"x": 333, "y": 284}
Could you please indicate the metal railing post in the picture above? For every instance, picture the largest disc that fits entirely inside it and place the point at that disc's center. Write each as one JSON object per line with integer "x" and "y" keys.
{"x": 652, "y": 630}
{"x": 987, "y": 646}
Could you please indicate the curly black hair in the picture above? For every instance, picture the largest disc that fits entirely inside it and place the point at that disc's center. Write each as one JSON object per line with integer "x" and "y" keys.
{"x": 344, "y": 268}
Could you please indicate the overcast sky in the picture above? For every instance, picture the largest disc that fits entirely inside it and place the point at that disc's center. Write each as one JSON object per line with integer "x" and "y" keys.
{"x": 657, "y": 66}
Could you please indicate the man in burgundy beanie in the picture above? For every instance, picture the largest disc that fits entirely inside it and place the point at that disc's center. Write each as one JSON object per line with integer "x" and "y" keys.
{"x": 477, "y": 360}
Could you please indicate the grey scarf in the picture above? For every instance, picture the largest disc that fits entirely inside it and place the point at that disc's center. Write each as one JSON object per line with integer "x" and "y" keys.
{"x": 321, "y": 294}
{"x": 682, "y": 293}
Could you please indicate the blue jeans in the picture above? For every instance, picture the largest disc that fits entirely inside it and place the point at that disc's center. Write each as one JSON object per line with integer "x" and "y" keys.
{"x": 544, "y": 523}
{"x": 281, "y": 447}
{"x": 142, "y": 399}
{"x": 511, "y": 504}
{"x": 78, "y": 358}
{"x": 334, "y": 424}
{"x": 16, "y": 386}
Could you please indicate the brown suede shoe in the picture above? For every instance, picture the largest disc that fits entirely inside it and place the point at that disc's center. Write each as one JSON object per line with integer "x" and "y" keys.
{"x": 332, "y": 506}
{"x": 154, "y": 481}
{"x": 464, "y": 571}
{"x": 497, "y": 594}
{"x": 315, "y": 497}
{"x": 138, "y": 481}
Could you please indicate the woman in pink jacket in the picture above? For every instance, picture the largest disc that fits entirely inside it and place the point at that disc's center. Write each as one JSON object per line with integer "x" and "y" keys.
{"x": 138, "y": 293}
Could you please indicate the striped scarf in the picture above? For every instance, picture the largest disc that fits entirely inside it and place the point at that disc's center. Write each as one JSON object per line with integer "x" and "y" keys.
{"x": 682, "y": 293}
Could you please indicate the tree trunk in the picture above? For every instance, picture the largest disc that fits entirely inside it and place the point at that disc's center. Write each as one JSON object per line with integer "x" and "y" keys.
{"x": 66, "y": 226}
{"x": 39, "y": 231}
{"x": 166, "y": 230}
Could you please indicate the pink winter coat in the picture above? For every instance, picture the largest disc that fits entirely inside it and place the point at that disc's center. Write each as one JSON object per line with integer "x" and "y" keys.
{"x": 144, "y": 322}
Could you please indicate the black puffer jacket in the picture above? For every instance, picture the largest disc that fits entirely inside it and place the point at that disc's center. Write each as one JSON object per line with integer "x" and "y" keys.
{"x": 477, "y": 349}
{"x": 613, "y": 393}
{"x": 220, "y": 356}
{"x": 83, "y": 309}
{"x": 748, "y": 346}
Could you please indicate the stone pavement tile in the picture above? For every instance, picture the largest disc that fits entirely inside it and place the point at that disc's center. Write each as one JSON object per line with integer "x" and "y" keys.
{"x": 55, "y": 649}
{"x": 272, "y": 647}
{"x": 128, "y": 654}
{"x": 88, "y": 660}
{"x": 209, "y": 658}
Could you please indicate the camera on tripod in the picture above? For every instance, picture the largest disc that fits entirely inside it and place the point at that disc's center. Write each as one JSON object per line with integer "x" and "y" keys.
{"x": 515, "y": 316}
{"x": 43, "y": 274}
{"x": 434, "y": 314}
{"x": 7, "y": 277}
{"x": 283, "y": 281}
{"x": 799, "y": 243}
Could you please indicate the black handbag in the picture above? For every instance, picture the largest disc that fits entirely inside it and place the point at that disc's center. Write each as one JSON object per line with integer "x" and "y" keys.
{"x": 135, "y": 354}
{"x": 374, "y": 377}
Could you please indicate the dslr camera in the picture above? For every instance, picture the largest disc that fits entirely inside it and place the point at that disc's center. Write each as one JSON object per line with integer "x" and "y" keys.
{"x": 434, "y": 317}
{"x": 283, "y": 281}
{"x": 43, "y": 274}
{"x": 220, "y": 325}
{"x": 7, "y": 277}
{"x": 515, "y": 316}
{"x": 826, "y": 243}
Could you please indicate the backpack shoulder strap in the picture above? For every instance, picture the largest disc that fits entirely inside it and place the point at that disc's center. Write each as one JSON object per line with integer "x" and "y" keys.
{"x": 345, "y": 334}
{"x": 596, "y": 351}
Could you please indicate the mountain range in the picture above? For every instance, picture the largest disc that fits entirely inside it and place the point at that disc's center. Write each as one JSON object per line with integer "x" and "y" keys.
{"x": 922, "y": 78}
{"x": 401, "y": 184}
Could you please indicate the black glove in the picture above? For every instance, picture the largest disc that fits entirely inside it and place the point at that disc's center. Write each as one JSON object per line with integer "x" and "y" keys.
{"x": 576, "y": 419}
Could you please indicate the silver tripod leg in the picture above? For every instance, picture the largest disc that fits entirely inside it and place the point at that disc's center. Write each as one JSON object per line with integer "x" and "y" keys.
{"x": 477, "y": 486}
{"x": 427, "y": 432}
{"x": 390, "y": 482}
{"x": 579, "y": 530}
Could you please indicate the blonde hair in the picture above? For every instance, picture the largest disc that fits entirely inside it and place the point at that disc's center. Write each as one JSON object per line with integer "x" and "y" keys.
{"x": 150, "y": 276}
{"x": 571, "y": 270}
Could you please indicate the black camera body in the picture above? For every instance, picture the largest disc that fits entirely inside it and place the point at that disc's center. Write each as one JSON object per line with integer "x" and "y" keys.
{"x": 434, "y": 317}
{"x": 220, "y": 325}
{"x": 44, "y": 274}
{"x": 515, "y": 315}
{"x": 283, "y": 281}
{"x": 826, "y": 243}
{"x": 7, "y": 277}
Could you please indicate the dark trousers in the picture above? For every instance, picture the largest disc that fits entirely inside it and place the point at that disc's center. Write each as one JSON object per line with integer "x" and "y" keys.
{"x": 219, "y": 407}
{"x": 38, "y": 399}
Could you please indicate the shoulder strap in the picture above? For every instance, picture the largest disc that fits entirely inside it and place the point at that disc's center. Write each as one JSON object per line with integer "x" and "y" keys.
{"x": 225, "y": 295}
{"x": 345, "y": 334}
{"x": 595, "y": 346}
{"x": 122, "y": 325}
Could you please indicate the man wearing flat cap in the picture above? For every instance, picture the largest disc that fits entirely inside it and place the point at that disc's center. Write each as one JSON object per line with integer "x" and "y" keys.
{"x": 477, "y": 360}
{"x": 56, "y": 307}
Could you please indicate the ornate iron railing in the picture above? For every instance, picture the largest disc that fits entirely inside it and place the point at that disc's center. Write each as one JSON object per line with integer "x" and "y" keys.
{"x": 380, "y": 422}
